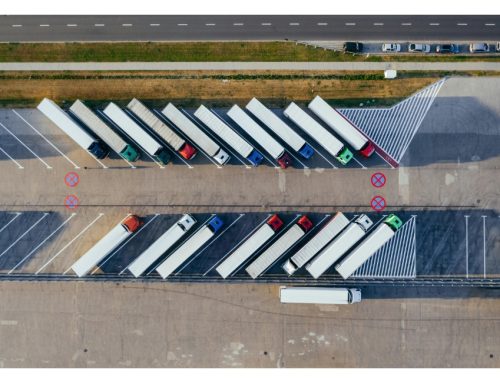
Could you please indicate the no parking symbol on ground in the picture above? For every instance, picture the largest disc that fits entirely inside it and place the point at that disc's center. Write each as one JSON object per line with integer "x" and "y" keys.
{"x": 71, "y": 179}
{"x": 378, "y": 203}
{"x": 71, "y": 202}
{"x": 378, "y": 179}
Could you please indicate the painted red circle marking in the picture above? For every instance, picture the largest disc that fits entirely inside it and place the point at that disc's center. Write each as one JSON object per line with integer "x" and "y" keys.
{"x": 378, "y": 179}
{"x": 71, "y": 202}
{"x": 378, "y": 203}
{"x": 71, "y": 179}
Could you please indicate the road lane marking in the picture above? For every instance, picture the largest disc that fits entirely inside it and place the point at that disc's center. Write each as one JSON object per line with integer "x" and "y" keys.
{"x": 406, "y": 24}
{"x": 45, "y": 25}
{"x": 238, "y": 24}
{"x": 24, "y": 234}
{"x": 8, "y": 223}
{"x": 26, "y": 146}
{"x": 182, "y": 25}
{"x": 71, "y": 25}
{"x": 154, "y": 25}
{"x": 17, "y": 25}
{"x": 212, "y": 241}
{"x": 466, "y": 245}
{"x": 266, "y": 24}
{"x": 41, "y": 243}
{"x": 237, "y": 245}
{"x": 434, "y": 24}
{"x": 462, "y": 24}
{"x": 484, "y": 246}
{"x": 46, "y": 139}
{"x": 350, "y": 24}
{"x": 98, "y": 25}
{"x": 123, "y": 245}
{"x": 68, "y": 244}
{"x": 127, "y": 25}
{"x": 378, "y": 24}
{"x": 322, "y": 24}
{"x": 490, "y": 24}
{"x": 293, "y": 24}
{"x": 210, "y": 24}
{"x": 7, "y": 154}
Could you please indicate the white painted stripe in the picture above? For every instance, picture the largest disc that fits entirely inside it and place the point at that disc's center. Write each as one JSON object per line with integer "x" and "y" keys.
{"x": 462, "y": 24}
{"x": 98, "y": 25}
{"x": 17, "y": 25}
{"x": 490, "y": 24}
{"x": 26, "y": 146}
{"x": 210, "y": 24}
{"x": 71, "y": 25}
{"x": 154, "y": 25}
{"x": 13, "y": 160}
{"x": 182, "y": 25}
{"x": 265, "y": 24}
{"x": 123, "y": 245}
{"x": 350, "y": 24}
{"x": 8, "y": 223}
{"x": 212, "y": 241}
{"x": 68, "y": 244}
{"x": 322, "y": 24}
{"x": 406, "y": 24}
{"x": 434, "y": 24}
{"x": 294, "y": 24}
{"x": 41, "y": 243}
{"x": 45, "y": 25}
{"x": 238, "y": 24}
{"x": 466, "y": 245}
{"x": 24, "y": 234}
{"x": 484, "y": 245}
{"x": 378, "y": 24}
{"x": 46, "y": 139}
{"x": 127, "y": 25}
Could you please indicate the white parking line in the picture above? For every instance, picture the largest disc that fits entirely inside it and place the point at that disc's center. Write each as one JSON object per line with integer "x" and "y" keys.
{"x": 484, "y": 245}
{"x": 7, "y": 154}
{"x": 41, "y": 243}
{"x": 238, "y": 24}
{"x": 68, "y": 244}
{"x": 12, "y": 220}
{"x": 16, "y": 25}
{"x": 466, "y": 245}
{"x": 187, "y": 239}
{"x": 359, "y": 163}
{"x": 406, "y": 24}
{"x": 322, "y": 24}
{"x": 24, "y": 234}
{"x": 46, "y": 139}
{"x": 350, "y": 24}
{"x": 26, "y": 146}
{"x": 121, "y": 247}
{"x": 238, "y": 244}
{"x": 326, "y": 159}
{"x": 208, "y": 244}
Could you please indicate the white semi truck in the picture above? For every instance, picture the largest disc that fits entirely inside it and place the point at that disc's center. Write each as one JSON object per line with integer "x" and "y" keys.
{"x": 278, "y": 248}
{"x": 138, "y": 134}
{"x": 108, "y": 135}
{"x": 320, "y": 134}
{"x": 319, "y": 295}
{"x": 342, "y": 126}
{"x": 161, "y": 245}
{"x": 64, "y": 122}
{"x": 188, "y": 248}
{"x": 278, "y": 126}
{"x": 209, "y": 146}
{"x": 339, "y": 246}
{"x": 222, "y": 130}
{"x": 316, "y": 244}
{"x": 377, "y": 238}
{"x": 264, "y": 139}
{"x": 176, "y": 142}
{"x": 252, "y": 244}
{"x": 106, "y": 245}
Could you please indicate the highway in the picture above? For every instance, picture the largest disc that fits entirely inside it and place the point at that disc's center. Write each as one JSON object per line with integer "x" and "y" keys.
{"x": 234, "y": 27}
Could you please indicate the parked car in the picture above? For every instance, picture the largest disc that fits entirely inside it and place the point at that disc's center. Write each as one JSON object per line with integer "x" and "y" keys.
{"x": 353, "y": 47}
{"x": 424, "y": 48}
{"x": 479, "y": 48}
{"x": 391, "y": 47}
{"x": 447, "y": 48}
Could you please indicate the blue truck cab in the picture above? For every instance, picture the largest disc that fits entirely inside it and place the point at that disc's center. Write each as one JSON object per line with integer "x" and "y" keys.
{"x": 99, "y": 150}
{"x": 306, "y": 151}
{"x": 215, "y": 224}
{"x": 255, "y": 158}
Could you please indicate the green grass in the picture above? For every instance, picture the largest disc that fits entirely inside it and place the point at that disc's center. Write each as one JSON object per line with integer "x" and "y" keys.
{"x": 197, "y": 51}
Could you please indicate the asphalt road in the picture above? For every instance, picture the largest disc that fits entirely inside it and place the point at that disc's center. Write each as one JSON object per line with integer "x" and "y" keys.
{"x": 202, "y": 27}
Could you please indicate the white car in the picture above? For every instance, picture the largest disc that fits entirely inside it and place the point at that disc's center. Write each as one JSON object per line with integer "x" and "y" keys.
{"x": 391, "y": 47}
{"x": 424, "y": 48}
{"x": 479, "y": 48}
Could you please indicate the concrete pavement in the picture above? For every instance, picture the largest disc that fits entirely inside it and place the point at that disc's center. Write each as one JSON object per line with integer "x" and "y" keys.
{"x": 313, "y": 66}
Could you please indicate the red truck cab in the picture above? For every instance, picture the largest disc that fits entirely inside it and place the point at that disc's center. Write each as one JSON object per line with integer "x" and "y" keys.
{"x": 275, "y": 222}
{"x": 367, "y": 150}
{"x": 305, "y": 223}
{"x": 132, "y": 223}
{"x": 285, "y": 160}
{"x": 188, "y": 151}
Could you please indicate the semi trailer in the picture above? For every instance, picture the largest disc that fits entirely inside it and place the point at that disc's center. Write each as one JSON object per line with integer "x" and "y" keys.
{"x": 342, "y": 126}
{"x": 209, "y": 146}
{"x": 320, "y": 134}
{"x": 64, "y": 122}
{"x": 188, "y": 248}
{"x": 222, "y": 130}
{"x": 317, "y": 243}
{"x": 320, "y": 295}
{"x": 278, "y": 126}
{"x": 339, "y": 246}
{"x": 369, "y": 246}
{"x": 106, "y": 245}
{"x": 138, "y": 134}
{"x": 264, "y": 139}
{"x": 278, "y": 248}
{"x": 161, "y": 245}
{"x": 108, "y": 135}
{"x": 251, "y": 245}
{"x": 177, "y": 143}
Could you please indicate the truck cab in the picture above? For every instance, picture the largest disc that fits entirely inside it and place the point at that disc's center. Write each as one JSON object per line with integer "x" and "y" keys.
{"x": 367, "y": 150}
{"x": 186, "y": 222}
{"x": 130, "y": 153}
{"x": 306, "y": 151}
{"x": 221, "y": 157}
{"x": 344, "y": 156}
{"x": 163, "y": 156}
{"x": 132, "y": 223}
{"x": 99, "y": 150}
{"x": 354, "y": 295}
{"x": 275, "y": 222}
{"x": 215, "y": 224}
{"x": 393, "y": 222}
{"x": 255, "y": 158}
{"x": 305, "y": 223}
{"x": 187, "y": 151}
{"x": 285, "y": 160}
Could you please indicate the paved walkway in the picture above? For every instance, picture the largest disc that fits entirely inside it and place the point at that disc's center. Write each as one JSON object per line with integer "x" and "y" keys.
{"x": 362, "y": 66}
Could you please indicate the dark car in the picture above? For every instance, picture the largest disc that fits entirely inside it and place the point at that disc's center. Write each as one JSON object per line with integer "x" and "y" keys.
{"x": 447, "y": 48}
{"x": 353, "y": 47}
